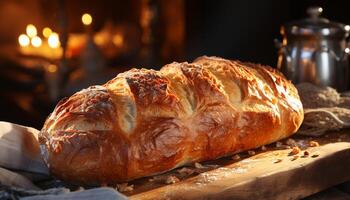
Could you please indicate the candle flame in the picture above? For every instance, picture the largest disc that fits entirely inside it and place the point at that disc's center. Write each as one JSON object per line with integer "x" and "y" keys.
{"x": 47, "y": 32}
{"x": 23, "y": 40}
{"x": 36, "y": 41}
{"x": 118, "y": 40}
{"x": 52, "y": 68}
{"x": 54, "y": 41}
{"x": 31, "y": 30}
{"x": 86, "y": 19}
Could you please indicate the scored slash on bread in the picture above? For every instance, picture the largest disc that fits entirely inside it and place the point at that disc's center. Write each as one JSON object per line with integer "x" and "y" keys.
{"x": 145, "y": 122}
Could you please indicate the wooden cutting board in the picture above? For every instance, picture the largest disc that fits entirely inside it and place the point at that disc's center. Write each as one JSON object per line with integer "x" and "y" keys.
{"x": 270, "y": 174}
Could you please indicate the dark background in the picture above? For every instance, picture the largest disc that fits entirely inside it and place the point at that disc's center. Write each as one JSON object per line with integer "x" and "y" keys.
{"x": 239, "y": 29}
{"x": 245, "y": 29}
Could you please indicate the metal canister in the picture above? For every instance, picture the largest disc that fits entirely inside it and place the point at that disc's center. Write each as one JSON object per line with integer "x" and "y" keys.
{"x": 315, "y": 50}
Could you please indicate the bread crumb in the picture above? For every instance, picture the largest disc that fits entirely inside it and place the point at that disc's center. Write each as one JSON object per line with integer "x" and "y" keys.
{"x": 295, "y": 150}
{"x": 236, "y": 157}
{"x": 278, "y": 160}
{"x": 185, "y": 171}
{"x": 171, "y": 180}
{"x": 198, "y": 166}
{"x": 294, "y": 157}
{"x": 263, "y": 148}
{"x": 251, "y": 153}
{"x": 315, "y": 154}
{"x": 313, "y": 144}
{"x": 124, "y": 187}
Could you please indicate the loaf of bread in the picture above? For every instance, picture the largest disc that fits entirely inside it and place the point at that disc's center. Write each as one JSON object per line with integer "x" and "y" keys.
{"x": 145, "y": 122}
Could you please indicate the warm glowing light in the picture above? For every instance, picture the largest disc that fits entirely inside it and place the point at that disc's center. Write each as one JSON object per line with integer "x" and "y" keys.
{"x": 36, "y": 41}
{"x": 99, "y": 39}
{"x": 347, "y": 28}
{"x": 31, "y": 30}
{"x": 347, "y": 50}
{"x": 47, "y": 32}
{"x": 52, "y": 68}
{"x": 86, "y": 19}
{"x": 54, "y": 41}
{"x": 23, "y": 40}
{"x": 118, "y": 40}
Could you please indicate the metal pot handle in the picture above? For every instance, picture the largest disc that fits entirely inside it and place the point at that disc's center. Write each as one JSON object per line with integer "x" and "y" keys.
{"x": 331, "y": 52}
{"x": 286, "y": 68}
{"x": 342, "y": 57}
{"x": 283, "y": 48}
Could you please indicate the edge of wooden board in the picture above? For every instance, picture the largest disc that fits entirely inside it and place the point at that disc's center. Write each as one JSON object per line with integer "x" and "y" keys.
{"x": 265, "y": 177}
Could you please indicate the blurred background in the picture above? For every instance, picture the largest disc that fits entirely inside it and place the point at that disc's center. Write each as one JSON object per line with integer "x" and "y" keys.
{"x": 50, "y": 49}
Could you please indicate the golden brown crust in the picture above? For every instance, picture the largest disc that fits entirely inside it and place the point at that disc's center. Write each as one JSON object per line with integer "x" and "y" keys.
{"x": 145, "y": 122}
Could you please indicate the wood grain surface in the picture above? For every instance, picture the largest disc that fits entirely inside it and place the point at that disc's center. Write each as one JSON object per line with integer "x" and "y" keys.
{"x": 270, "y": 174}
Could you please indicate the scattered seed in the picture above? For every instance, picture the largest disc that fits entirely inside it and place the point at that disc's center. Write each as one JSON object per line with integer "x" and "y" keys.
{"x": 185, "y": 171}
{"x": 278, "y": 161}
{"x": 236, "y": 157}
{"x": 124, "y": 187}
{"x": 306, "y": 154}
{"x": 172, "y": 180}
{"x": 263, "y": 148}
{"x": 294, "y": 157}
{"x": 251, "y": 153}
{"x": 198, "y": 166}
{"x": 314, "y": 144}
{"x": 295, "y": 150}
{"x": 314, "y": 156}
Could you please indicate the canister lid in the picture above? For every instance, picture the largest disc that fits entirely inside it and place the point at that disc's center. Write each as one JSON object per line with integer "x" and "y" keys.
{"x": 316, "y": 25}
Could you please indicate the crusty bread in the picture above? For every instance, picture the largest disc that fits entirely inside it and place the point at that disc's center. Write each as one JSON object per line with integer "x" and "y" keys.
{"x": 144, "y": 122}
